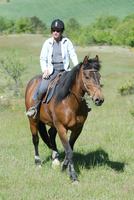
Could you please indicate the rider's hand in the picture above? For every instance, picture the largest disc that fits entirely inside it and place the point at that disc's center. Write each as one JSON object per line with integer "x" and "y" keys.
{"x": 46, "y": 74}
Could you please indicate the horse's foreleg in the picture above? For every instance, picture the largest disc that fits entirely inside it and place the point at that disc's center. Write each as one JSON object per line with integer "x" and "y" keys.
{"x": 65, "y": 164}
{"x": 55, "y": 155}
{"x": 69, "y": 162}
{"x": 73, "y": 137}
{"x": 69, "y": 153}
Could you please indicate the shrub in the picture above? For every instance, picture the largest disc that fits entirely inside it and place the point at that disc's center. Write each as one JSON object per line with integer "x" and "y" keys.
{"x": 131, "y": 110}
{"x": 126, "y": 89}
{"x": 101, "y": 37}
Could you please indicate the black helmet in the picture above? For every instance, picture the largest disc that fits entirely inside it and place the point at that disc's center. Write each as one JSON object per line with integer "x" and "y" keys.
{"x": 57, "y": 24}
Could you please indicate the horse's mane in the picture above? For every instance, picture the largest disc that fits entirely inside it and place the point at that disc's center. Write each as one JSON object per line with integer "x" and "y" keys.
{"x": 67, "y": 80}
{"x": 65, "y": 83}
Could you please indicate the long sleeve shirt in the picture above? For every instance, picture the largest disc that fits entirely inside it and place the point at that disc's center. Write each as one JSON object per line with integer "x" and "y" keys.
{"x": 67, "y": 51}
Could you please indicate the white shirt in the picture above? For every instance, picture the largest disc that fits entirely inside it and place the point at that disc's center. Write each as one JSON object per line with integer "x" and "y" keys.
{"x": 67, "y": 51}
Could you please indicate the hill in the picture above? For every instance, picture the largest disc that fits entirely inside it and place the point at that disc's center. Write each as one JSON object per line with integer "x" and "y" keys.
{"x": 85, "y": 11}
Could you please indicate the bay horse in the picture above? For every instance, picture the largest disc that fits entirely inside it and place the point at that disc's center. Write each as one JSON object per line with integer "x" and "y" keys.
{"x": 67, "y": 109}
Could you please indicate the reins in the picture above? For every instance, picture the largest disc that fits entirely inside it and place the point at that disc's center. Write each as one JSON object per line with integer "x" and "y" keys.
{"x": 82, "y": 97}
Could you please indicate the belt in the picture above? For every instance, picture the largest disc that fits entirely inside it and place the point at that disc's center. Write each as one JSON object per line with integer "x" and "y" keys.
{"x": 57, "y": 62}
{"x": 60, "y": 70}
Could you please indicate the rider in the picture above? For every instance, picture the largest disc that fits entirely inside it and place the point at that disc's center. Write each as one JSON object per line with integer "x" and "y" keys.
{"x": 54, "y": 58}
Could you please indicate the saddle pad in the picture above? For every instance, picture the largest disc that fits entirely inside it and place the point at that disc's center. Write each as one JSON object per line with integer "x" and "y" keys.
{"x": 50, "y": 93}
{"x": 49, "y": 96}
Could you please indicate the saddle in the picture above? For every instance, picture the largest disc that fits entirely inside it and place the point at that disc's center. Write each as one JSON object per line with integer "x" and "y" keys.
{"x": 50, "y": 90}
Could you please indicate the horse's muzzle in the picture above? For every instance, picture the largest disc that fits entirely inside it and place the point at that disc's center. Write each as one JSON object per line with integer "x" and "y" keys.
{"x": 98, "y": 102}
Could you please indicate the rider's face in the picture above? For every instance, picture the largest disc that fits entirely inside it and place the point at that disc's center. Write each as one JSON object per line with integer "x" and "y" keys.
{"x": 56, "y": 34}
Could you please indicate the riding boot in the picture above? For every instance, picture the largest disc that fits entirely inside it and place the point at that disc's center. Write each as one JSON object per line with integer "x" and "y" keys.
{"x": 88, "y": 108}
{"x": 34, "y": 110}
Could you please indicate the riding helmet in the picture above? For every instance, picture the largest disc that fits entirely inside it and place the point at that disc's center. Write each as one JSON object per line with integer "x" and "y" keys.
{"x": 58, "y": 24}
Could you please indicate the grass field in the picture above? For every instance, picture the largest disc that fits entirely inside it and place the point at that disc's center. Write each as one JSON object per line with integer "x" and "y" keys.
{"x": 85, "y": 11}
{"x": 104, "y": 152}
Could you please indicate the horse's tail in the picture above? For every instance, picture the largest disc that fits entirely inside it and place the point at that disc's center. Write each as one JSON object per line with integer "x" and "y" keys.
{"x": 44, "y": 135}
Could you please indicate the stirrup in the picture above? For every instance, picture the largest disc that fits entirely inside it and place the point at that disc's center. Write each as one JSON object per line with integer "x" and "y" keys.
{"x": 31, "y": 112}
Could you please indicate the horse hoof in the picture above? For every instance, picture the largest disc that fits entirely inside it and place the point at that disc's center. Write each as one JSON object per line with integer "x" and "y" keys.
{"x": 39, "y": 166}
{"x": 37, "y": 160}
{"x": 76, "y": 182}
{"x": 55, "y": 163}
{"x": 64, "y": 167}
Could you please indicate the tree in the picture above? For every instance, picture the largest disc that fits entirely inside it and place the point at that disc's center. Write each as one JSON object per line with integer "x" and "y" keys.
{"x": 73, "y": 24}
{"x": 37, "y": 25}
{"x": 12, "y": 66}
{"x": 3, "y": 25}
{"x": 125, "y": 33}
{"x": 24, "y": 25}
{"x": 106, "y": 22}
{"x": 72, "y": 28}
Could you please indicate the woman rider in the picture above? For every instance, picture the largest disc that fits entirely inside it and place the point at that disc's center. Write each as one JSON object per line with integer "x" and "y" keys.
{"x": 54, "y": 58}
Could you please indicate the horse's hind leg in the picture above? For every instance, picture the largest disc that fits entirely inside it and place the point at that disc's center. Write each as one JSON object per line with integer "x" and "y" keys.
{"x": 35, "y": 138}
{"x": 55, "y": 155}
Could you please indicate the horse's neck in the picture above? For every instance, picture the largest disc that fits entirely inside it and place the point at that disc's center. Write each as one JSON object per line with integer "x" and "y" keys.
{"x": 77, "y": 88}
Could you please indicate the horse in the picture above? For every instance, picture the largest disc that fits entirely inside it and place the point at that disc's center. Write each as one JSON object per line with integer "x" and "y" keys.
{"x": 67, "y": 110}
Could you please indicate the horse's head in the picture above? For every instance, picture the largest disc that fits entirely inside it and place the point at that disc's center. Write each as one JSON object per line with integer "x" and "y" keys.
{"x": 91, "y": 79}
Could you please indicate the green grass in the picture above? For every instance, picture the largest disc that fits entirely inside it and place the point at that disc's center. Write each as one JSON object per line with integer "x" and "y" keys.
{"x": 104, "y": 152}
{"x": 85, "y": 11}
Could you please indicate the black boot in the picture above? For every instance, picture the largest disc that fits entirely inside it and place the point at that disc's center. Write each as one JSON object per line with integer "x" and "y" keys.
{"x": 33, "y": 110}
{"x": 89, "y": 109}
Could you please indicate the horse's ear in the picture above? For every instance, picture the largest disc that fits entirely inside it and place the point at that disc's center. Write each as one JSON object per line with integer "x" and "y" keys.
{"x": 97, "y": 58}
{"x": 85, "y": 61}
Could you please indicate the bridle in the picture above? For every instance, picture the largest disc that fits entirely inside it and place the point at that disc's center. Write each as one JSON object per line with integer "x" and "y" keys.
{"x": 87, "y": 85}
